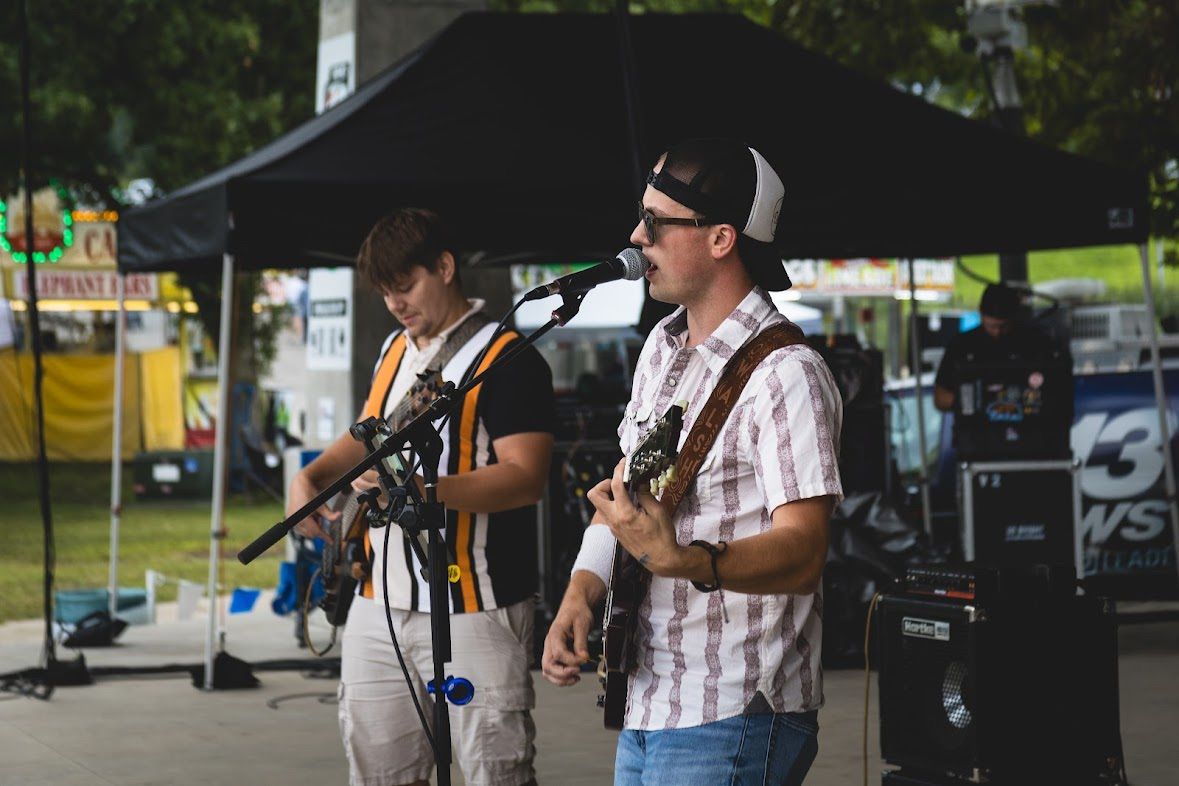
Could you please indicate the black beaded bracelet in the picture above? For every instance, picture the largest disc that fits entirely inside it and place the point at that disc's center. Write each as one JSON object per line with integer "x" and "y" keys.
{"x": 713, "y": 553}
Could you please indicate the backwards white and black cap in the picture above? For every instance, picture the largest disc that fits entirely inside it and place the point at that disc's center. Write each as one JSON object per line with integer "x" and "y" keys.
{"x": 730, "y": 183}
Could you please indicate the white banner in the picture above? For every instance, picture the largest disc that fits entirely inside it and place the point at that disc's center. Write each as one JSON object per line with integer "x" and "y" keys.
{"x": 329, "y": 319}
{"x": 53, "y": 284}
{"x": 335, "y": 77}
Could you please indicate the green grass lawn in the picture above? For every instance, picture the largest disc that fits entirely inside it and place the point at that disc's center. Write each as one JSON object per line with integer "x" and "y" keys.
{"x": 171, "y": 537}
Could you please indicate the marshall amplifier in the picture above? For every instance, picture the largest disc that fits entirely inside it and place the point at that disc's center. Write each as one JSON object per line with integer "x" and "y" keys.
{"x": 1013, "y": 691}
{"x": 1019, "y": 513}
{"x": 980, "y": 584}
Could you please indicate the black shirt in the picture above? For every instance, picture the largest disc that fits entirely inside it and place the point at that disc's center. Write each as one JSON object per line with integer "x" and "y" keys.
{"x": 976, "y": 346}
{"x": 1048, "y": 374}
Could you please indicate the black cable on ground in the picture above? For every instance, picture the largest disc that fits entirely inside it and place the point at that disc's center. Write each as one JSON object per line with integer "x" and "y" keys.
{"x": 323, "y": 698}
{"x": 314, "y": 667}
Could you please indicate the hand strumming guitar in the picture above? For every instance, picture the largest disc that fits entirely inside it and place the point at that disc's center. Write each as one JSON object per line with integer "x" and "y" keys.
{"x": 301, "y": 492}
{"x": 566, "y": 646}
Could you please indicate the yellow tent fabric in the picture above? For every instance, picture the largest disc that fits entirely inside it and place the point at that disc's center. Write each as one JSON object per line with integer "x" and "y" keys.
{"x": 78, "y": 393}
{"x": 16, "y": 413}
{"x": 163, "y": 409}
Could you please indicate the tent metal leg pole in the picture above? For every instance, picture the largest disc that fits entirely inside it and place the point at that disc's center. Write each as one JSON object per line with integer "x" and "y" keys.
{"x": 1160, "y": 398}
{"x": 918, "y": 394}
{"x": 1160, "y": 262}
{"x": 117, "y": 444}
{"x": 220, "y": 451}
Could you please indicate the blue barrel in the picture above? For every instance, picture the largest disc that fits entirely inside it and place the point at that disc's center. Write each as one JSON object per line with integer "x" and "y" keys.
{"x": 72, "y": 605}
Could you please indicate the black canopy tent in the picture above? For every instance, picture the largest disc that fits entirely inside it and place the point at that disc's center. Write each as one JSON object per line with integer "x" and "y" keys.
{"x": 516, "y": 128}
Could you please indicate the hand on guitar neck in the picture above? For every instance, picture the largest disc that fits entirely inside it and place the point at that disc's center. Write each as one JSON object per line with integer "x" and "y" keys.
{"x": 639, "y": 522}
{"x": 626, "y": 502}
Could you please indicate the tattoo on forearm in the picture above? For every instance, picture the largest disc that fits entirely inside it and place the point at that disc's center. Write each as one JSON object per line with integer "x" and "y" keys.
{"x": 643, "y": 560}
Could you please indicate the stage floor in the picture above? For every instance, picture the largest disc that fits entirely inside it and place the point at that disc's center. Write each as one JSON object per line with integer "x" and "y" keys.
{"x": 162, "y": 731}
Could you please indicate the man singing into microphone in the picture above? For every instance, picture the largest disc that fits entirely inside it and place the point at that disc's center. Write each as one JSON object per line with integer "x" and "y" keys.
{"x": 495, "y": 462}
{"x": 728, "y": 680}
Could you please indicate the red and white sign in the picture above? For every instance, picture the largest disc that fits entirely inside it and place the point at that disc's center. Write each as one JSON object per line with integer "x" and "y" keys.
{"x": 869, "y": 277}
{"x": 85, "y": 285}
{"x": 94, "y": 245}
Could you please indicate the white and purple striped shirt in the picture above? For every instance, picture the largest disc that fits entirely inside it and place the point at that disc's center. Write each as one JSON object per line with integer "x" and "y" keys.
{"x": 778, "y": 445}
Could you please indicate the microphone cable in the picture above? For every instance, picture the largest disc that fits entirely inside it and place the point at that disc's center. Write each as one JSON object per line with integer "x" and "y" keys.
{"x": 868, "y": 678}
{"x": 413, "y": 692}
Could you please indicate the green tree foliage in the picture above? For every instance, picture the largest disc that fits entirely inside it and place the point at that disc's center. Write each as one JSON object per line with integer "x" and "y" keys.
{"x": 1100, "y": 79}
{"x": 171, "y": 91}
{"x": 125, "y": 89}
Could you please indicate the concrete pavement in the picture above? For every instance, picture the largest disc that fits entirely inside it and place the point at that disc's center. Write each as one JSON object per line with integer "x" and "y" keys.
{"x": 163, "y": 731}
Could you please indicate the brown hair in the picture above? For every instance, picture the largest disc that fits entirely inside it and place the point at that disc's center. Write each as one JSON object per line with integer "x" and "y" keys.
{"x": 399, "y": 242}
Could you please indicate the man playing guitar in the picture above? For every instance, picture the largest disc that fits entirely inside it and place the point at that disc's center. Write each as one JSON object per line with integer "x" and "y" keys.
{"x": 726, "y": 681}
{"x": 494, "y": 465}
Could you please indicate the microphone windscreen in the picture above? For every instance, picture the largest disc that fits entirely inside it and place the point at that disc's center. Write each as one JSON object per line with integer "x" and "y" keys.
{"x": 634, "y": 264}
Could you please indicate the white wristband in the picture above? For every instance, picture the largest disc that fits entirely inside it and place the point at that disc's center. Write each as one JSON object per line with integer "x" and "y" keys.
{"x": 597, "y": 552}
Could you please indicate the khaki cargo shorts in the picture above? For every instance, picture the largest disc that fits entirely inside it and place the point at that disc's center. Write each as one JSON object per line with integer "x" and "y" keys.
{"x": 493, "y": 736}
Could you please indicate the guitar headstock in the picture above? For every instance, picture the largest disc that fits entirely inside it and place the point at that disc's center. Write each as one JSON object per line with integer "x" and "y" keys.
{"x": 652, "y": 463}
{"x": 423, "y": 391}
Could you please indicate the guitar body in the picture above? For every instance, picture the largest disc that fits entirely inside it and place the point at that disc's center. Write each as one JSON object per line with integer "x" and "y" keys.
{"x": 628, "y": 587}
{"x": 653, "y": 463}
{"x": 344, "y": 563}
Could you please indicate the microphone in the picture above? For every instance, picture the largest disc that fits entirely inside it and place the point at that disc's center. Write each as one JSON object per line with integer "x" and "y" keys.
{"x": 630, "y": 264}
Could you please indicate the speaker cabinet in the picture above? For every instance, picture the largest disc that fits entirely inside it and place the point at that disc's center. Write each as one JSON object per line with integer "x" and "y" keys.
{"x": 1021, "y": 513}
{"x": 1017, "y": 692}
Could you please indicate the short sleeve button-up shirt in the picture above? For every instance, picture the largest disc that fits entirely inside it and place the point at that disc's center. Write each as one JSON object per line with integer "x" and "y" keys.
{"x": 779, "y": 444}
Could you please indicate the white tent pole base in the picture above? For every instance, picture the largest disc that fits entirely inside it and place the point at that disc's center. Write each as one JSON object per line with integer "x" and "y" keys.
{"x": 220, "y": 468}
{"x": 117, "y": 445}
{"x": 915, "y": 359}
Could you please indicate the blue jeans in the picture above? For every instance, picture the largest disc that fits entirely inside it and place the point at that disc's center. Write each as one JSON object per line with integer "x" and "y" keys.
{"x": 765, "y": 748}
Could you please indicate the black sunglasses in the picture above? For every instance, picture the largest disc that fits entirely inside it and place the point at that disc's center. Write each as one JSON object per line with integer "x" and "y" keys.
{"x": 650, "y": 221}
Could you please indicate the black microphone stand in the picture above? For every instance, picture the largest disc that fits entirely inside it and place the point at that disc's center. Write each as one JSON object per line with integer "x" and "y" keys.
{"x": 421, "y": 436}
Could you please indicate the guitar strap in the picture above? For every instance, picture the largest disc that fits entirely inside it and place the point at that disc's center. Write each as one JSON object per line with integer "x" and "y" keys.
{"x": 716, "y": 410}
{"x": 455, "y": 341}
